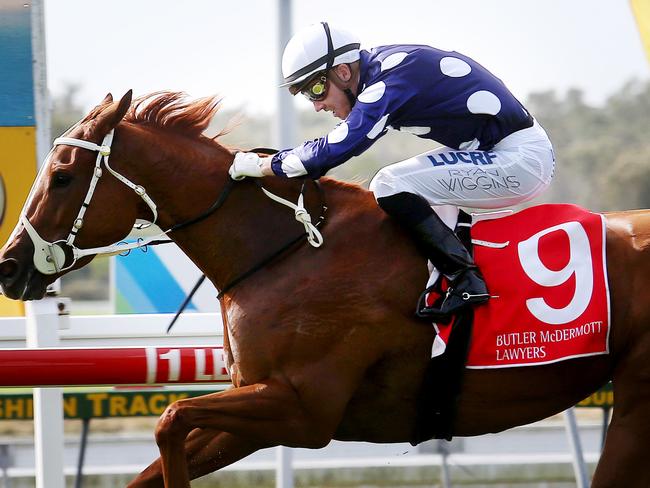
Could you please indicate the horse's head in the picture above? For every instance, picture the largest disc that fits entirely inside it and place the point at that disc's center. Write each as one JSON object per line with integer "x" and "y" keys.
{"x": 58, "y": 219}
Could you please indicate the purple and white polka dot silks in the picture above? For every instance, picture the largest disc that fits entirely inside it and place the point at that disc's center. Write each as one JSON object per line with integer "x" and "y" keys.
{"x": 439, "y": 95}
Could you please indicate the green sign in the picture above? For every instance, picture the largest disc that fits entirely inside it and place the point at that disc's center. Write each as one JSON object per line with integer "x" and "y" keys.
{"x": 100, "y": 403}
{"x": 152, "y": 403}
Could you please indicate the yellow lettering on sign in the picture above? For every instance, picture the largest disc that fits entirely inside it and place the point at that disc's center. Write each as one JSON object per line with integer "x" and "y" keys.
{"x": 598, "y": 399}
{"x": 30, "y": 408}
{"x": 157, "y": 403}
{"x": 117, "y": 406}
{"x": 70, "y": 407}
{"x": 14, "y": 408}
{"x": 138, "y": 406}
{"x": 601, "y": 398}
{"x": 97, "y": 399}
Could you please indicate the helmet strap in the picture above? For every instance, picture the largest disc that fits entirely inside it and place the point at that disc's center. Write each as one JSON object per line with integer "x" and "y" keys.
{"x": 330, "y": 47}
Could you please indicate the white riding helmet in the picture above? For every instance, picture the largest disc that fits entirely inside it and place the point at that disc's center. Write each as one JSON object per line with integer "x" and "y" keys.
{"x": 316, "y": 48}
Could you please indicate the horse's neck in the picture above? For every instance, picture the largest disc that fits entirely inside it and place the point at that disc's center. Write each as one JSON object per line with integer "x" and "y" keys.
{"x": 189, "y": 178}
{"x": 250, "y": 227}
{"x": 181, "y": 175}
{"x": 245, "y": 231}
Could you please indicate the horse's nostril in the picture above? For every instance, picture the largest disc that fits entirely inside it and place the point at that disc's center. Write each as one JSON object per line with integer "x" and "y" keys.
{"x": 8, "y": 270}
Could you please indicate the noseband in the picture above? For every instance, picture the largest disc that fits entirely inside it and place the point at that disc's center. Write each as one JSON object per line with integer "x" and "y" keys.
{"x": 50, "y": 257}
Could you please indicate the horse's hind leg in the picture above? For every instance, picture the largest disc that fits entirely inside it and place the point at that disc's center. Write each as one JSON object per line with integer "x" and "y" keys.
{"x": 625, "y": 460}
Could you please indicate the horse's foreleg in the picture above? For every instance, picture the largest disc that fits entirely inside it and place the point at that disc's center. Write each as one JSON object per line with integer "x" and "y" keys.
{"x": 206, "y": 450}
{"x": 268, "y": 413}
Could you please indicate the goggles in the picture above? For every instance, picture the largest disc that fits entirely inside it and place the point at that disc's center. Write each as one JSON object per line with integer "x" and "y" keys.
{"x": 316, "y": 89}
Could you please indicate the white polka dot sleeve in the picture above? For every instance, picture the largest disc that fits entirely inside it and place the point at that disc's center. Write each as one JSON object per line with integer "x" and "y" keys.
{"x": 365, "y": 124}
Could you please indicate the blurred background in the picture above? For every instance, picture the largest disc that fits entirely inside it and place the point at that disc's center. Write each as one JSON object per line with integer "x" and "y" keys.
{"x": 578, "y": 66}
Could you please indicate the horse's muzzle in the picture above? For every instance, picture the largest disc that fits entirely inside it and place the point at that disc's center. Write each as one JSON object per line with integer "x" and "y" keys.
{"x": 19, "y": 279}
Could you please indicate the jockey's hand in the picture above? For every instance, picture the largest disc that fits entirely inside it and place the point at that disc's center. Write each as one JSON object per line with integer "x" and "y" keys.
{"x": 248, "y": 164}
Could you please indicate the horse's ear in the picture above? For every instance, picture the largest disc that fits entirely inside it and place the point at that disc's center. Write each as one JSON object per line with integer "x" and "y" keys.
{"x": 113, "y": 114}
{"x": 107, "y": 99}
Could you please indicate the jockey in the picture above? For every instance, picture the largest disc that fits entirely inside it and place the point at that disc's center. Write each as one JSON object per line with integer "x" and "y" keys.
{"x": 495, "y": 153}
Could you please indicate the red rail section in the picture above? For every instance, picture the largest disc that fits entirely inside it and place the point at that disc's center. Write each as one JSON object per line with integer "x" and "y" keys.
{"x": 112, "y": 366}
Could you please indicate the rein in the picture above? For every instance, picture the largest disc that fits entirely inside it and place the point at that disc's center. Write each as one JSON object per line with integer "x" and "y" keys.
{"x": 311, "y": 233}
{"x": 221, "y": 199}
{"x": 265, "y": 261}
{"x": 307, "y": 234}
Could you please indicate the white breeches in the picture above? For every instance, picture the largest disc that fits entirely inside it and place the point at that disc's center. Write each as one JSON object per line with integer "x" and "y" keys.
{"x": 517, "y": 169}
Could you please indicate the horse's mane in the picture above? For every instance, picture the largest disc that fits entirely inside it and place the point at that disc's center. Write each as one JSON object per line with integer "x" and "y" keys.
{"x": 174, "y": 111}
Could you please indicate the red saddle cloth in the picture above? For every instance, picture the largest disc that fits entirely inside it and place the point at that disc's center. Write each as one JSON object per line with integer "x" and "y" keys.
{"x": 551, "y": 285}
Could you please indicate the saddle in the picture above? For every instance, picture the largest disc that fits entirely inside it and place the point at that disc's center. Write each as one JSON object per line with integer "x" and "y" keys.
{"x": 546, "y": 268}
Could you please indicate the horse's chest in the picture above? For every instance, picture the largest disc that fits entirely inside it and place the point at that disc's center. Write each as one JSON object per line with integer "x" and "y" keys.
{"x": 249, "y": 356}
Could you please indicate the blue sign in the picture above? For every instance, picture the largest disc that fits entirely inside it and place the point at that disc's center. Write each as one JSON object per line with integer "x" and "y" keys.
{"x": 158, "y": 281}
{"x": 16, "y": 78}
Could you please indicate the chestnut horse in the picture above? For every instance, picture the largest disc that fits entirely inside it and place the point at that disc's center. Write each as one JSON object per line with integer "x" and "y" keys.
{"x": 321, "y": 343}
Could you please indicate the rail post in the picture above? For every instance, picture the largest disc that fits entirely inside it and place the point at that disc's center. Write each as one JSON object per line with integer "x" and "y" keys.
{"x": 284, "y": 136}
{"x": 42, "y": 330}
{"x": 573, "y": 436}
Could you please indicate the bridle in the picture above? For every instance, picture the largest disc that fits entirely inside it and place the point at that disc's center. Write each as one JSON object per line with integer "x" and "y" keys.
{"x": 50, "y": 257}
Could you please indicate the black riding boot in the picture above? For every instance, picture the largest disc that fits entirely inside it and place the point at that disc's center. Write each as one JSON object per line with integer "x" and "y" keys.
{"x": 441, "y": 246}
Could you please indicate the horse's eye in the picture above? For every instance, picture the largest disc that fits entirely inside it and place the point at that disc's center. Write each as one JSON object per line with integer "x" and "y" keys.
{"x": 61, "y": 180}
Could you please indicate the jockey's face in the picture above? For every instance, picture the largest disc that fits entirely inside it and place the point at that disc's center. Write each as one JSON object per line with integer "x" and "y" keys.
{"x": 336, "y": 101}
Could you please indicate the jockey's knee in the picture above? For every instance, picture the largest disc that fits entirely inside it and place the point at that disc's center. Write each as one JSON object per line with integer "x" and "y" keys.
{"x": 397, "y": 199}
{"x": 384, "y": 184}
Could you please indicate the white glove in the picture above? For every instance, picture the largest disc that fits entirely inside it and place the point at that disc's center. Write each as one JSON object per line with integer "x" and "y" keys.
{"x": 246, "y": 164}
